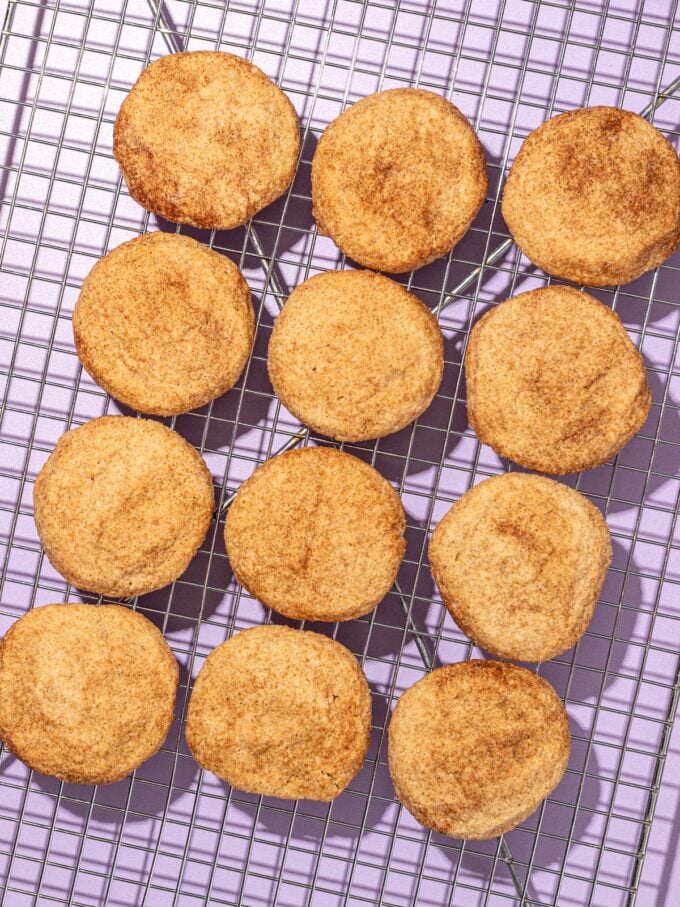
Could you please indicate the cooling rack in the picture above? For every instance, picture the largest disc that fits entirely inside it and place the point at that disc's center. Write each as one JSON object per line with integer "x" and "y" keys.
{"x": 173, "y": 835}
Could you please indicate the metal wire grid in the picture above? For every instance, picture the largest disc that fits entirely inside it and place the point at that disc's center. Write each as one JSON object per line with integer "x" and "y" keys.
{"x": 173, "y": 835}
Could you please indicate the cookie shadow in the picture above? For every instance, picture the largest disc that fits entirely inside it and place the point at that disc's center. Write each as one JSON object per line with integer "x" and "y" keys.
{"x": 383, "y": 632}
{"x": 243, "y": 408}
{"x": 260, "y": 248}
{"x": 611, "y": 646}
{"x": 221, "y": 422}
{"x": 362, "y": 636}
{"x": 197, "y": 595}
{"x": 639, "y": 470}
{"x": 651, "y": 299}
{"x": 337, "y": 830}
{"x": 424, "y": 444}
{"x": 569, "y": 820}
{"x": 193, "y": 597}
{"x": 144, "y": 797}
{"x": 647, "y": 463}
{"x": 431, "y": 440}
{"x": 643, "y": 468}
{"x": 286, "y": 226}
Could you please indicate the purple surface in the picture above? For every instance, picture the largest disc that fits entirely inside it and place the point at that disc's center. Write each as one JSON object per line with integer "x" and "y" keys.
{"x": 176, "y": 835}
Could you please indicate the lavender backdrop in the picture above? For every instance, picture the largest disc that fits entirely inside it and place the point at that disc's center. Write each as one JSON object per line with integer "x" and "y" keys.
{"x": 173, "y": 834}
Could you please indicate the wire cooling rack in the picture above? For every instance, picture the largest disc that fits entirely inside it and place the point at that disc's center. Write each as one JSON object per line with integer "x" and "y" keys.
{"x": 173, "y": 835}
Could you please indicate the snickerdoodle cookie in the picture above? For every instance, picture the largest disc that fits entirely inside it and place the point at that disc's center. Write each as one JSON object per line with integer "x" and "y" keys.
{"x": 397, "y": 179}
{"x": 355, "y": 356}
{"x": 554, "y": 381}
{"x": 594, "y": 196}
{"x": 316, "y": 534}
{"x": 475, "y": 747}
{"x": 520, "y": 561}
{"x": 205, "y": 138}
{"x": 164, "y": 324}
{"x": 87, "y": 692}
{"x": 281, "y": 712}
{"x": 122, "y": 505}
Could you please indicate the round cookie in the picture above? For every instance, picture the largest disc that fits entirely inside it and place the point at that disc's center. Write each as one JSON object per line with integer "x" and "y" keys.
{"x": 475, "y": 747}
{"x": 594, "y": 196}
{"x": 520, "y": 562}
{"x": 281, "y": 712}
{"x": 554, "y": 382}
{"x": 355, "y": 356}
{"x": 122, "y": 505}
{"x": 316, "y": 534}
{"x": 205, "y": 138}
{"x": 164, "y": 324}
{"x": 397, "y": 179}
{"x": 87, "y": 692}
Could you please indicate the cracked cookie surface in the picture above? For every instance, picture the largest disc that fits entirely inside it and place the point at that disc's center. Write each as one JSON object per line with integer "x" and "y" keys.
{"x": 316, "y": 534}
{"x": 474, "y": 747}
{"x": 87, "y": 692}
{"x": 554, "y": 382}
{"x": 520, "y": 561}
{"x": 206, "y": 138}
{"x": 122, "y": 505}
{"x": 355, "y": 356}
{"x": 164, "y": 324}
{"x": 594, "y": 196}
{"x": 281, "y": 712}
{"x": 397, "y": 179}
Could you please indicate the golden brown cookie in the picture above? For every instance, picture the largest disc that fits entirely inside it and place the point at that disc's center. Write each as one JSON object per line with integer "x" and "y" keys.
{"x": 475, "y": 747}
{"x": 594, "y": 196}
{"x": 122, "y": 505}
{"x": 205, "y": 138}
{"x": 164, "y": 324}
{"x": 520, "y": 561}
{"x": 397, "y": 179}
{"x": 355, "y": 356}
{"x": 87, "y": 692}
{"x": 316, "y": 534}
{"x": 554, "y": 381}
{"x": 281, "y": 712}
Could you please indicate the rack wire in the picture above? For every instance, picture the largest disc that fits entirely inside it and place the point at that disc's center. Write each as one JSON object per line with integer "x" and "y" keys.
{"x": 175, "y": 835}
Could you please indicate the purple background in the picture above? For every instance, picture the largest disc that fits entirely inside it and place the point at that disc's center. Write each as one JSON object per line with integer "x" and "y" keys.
{"x": 173, "y": 834}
